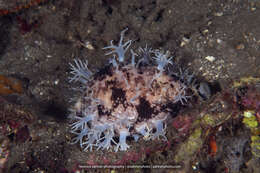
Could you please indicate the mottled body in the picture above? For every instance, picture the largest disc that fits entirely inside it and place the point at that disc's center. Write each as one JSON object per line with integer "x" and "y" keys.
{"x": 125, "y": 99}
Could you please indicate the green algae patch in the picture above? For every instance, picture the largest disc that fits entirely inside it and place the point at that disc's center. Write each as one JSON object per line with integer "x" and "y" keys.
{"x": 213, "y": 120}
{"x": 245, "y": 81}
{"x": 250, "y": 120}
{"x": 190, "y": 147}
{"x": 255, "y": 145}
{"x": 208, "y": 120}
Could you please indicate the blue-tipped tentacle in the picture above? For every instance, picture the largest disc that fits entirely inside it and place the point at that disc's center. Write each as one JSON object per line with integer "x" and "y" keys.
{"x": 143, "y": 129}
{"x": 80, "y": 136}
{"x": 81, "y": 122}
{"x": 114, "y": 63}
{"x": 145, "y": 54}
{"x": 108, "y": 139}
{"x": 133, "y": 58}
{"x": 121, "y": 49}
{"x": 162, "y": 60}
{"x": 160, "y": 129}
{"x": 80, "y": 71}
{"x": 181, "y": 96}
{"x": 92, "y": 138}
{"x": 122, "y": 145}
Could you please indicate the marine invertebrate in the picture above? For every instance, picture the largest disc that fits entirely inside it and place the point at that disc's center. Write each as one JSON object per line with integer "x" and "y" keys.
{"x": 128, "y": 97}
{"x": 120, "y": 49}
{"x": 162, "y": 60}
